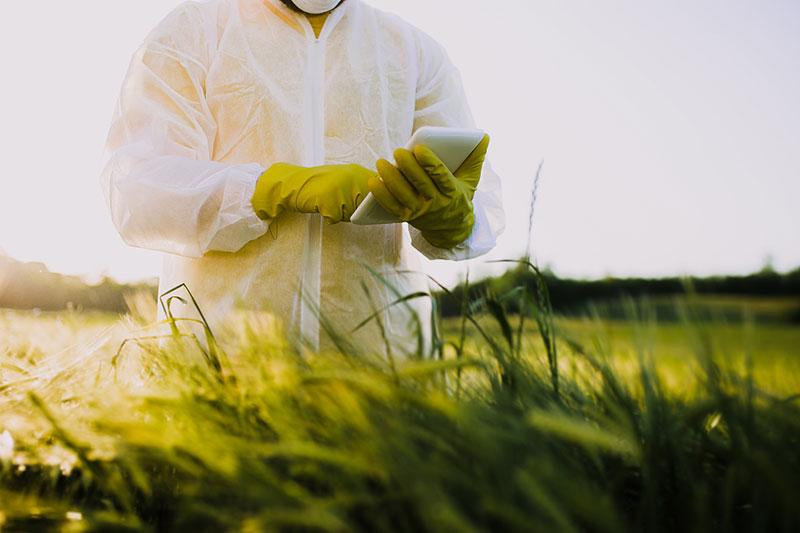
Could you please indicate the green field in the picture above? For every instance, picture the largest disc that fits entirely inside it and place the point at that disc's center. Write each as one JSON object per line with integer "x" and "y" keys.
{"x": 618, "y": 426}
{"x": 673, "y": 347}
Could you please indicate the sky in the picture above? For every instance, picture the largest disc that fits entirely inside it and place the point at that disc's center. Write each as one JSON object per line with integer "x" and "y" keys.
{"x": 669, "y": 130}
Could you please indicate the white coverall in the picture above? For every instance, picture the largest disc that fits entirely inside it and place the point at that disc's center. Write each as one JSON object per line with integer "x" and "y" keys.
{"x": 220, "y": 91}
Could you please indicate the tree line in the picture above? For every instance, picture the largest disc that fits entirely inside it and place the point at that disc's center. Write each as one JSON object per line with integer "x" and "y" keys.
{"x": 32, "y": 286}
{"x": 611, "y": 297}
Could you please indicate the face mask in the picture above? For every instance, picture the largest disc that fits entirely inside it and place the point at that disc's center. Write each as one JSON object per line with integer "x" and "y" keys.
{"x": 316, "y": 7}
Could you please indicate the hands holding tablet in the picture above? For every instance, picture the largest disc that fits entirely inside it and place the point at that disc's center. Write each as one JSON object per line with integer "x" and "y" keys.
{"x": 422, "y": 191}
{"x": 430, "y": 186}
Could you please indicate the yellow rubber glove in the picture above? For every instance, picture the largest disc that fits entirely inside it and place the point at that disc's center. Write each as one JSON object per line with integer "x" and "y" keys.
{"x": 423, "y": 192}
{"x": 333, "y": 191}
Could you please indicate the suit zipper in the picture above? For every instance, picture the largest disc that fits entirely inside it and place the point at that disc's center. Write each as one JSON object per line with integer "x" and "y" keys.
{"x": 310, "y": 305}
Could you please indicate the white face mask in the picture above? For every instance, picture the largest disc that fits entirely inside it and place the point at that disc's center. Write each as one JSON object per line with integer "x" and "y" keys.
{"x": 316, "y": 7}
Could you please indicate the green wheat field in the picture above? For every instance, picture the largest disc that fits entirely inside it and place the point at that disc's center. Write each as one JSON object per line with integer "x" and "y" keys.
{"x": 539, "y": 423}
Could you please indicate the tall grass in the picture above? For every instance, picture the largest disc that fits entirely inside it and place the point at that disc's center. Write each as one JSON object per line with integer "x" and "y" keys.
{"x": 264, "y": 436}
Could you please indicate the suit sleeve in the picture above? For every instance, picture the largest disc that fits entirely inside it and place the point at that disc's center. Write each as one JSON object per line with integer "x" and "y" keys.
{"x": 441, "y": 101}
{"x": 163, "y": 189}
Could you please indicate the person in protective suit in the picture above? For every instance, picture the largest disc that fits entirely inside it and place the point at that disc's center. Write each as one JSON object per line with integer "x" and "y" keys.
{"x": 248, "y": 131}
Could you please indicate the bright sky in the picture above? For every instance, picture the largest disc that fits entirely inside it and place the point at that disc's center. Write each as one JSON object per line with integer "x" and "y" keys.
{"x": 670, "y": 130}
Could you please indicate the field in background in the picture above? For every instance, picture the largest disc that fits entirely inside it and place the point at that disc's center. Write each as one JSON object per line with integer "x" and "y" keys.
{"x": 684, "y": 425}
{"x": 775, "y": 348}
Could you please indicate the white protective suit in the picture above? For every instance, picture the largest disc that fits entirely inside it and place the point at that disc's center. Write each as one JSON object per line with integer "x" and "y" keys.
{"x": 220, "y": 91}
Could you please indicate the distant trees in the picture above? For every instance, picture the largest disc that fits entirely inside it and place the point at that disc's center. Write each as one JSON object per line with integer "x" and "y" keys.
{"x": 571, "y": 296}
{"x": 32, "y": 286}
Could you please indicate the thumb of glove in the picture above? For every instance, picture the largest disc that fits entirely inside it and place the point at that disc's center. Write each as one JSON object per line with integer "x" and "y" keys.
{"x": 470, "y": 170}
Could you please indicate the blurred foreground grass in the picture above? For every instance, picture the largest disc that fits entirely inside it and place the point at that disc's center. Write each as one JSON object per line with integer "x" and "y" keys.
{"x": 617, "y": 426}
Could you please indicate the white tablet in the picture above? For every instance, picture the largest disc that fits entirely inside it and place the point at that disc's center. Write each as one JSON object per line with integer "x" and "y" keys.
{"x": 451, "y": 145}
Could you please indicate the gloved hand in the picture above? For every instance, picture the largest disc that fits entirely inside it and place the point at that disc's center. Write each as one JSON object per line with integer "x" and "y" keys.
{"x": 423, "y": 192}
{"x": 333, "y": 191}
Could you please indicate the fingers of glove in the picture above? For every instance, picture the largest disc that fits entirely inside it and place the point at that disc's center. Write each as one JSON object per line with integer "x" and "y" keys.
{"x": 386, "y": 199}
{"x": 470, "y": 169}
{"x": 437, "y": 170}
{"x": 339, "y": 206}
{"x": 349, "y": 208}
{"x": 413, "y": 171}
{"x": 329, "y": 210}
{"x": 399, "y": 186}
{"x": 334, "y": 213}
